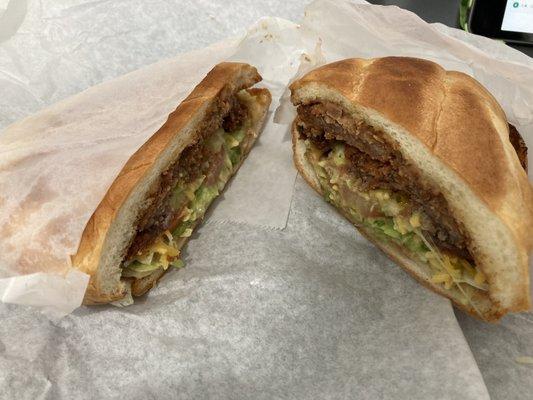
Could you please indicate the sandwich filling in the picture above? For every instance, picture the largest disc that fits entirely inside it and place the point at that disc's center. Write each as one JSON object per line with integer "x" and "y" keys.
{"x": 367, "y": 178}
{"x": 189, "y": 186}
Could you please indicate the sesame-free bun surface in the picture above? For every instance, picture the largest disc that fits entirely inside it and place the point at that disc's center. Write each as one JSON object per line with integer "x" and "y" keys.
{"x": 112, "y": 226}
{"x": 455, "y": 133}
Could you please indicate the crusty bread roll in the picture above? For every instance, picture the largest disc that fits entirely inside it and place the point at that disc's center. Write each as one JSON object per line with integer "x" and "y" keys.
{"x": 113, "y": 225}
{"x": 452, "y": 131}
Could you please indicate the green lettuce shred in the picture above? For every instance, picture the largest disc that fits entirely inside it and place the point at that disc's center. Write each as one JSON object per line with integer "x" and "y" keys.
{"x": 196, "y": 197}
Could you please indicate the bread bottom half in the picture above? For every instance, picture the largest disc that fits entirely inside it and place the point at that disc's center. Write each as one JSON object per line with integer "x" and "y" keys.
{"x": 480, "y": 307}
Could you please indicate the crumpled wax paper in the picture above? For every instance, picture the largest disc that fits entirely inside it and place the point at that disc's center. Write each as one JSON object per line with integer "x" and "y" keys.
{"x": 311, "y": 311}
{"x": 51, "y": 49}
{"x": 308, "y": 311}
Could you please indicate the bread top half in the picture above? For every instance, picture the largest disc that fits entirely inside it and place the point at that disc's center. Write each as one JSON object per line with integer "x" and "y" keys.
{"x": 449, "y": 112}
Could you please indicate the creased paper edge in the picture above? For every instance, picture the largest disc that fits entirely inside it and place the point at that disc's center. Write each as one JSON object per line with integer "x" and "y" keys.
{"x": 55, "y": 295}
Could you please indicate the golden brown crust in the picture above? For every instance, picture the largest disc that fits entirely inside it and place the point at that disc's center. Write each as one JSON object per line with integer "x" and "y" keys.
{"x": 451, "y": 114}
{"x": 219, "y": 82}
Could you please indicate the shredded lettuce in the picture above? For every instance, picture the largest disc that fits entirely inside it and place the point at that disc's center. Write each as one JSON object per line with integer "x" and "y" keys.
{"x": 194, "y": 198}
{"x": 395, "y": 222}
{"x": 138, "y": 270}
{"x": 235, "y": 155}
{"x": 338, "y": 154}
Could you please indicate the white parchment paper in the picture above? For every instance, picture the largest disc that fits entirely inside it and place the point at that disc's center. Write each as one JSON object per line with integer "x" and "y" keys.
{"x": 311, "y": 310}
{"x": 51, "y": 49}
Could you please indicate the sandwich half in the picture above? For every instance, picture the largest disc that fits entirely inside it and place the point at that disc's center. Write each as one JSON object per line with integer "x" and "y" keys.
{"x": 163, "y": 191}
{"x": 424, "y": 163}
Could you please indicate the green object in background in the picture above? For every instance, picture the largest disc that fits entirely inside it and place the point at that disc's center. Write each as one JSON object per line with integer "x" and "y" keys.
{"x": 464, "y": 10}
